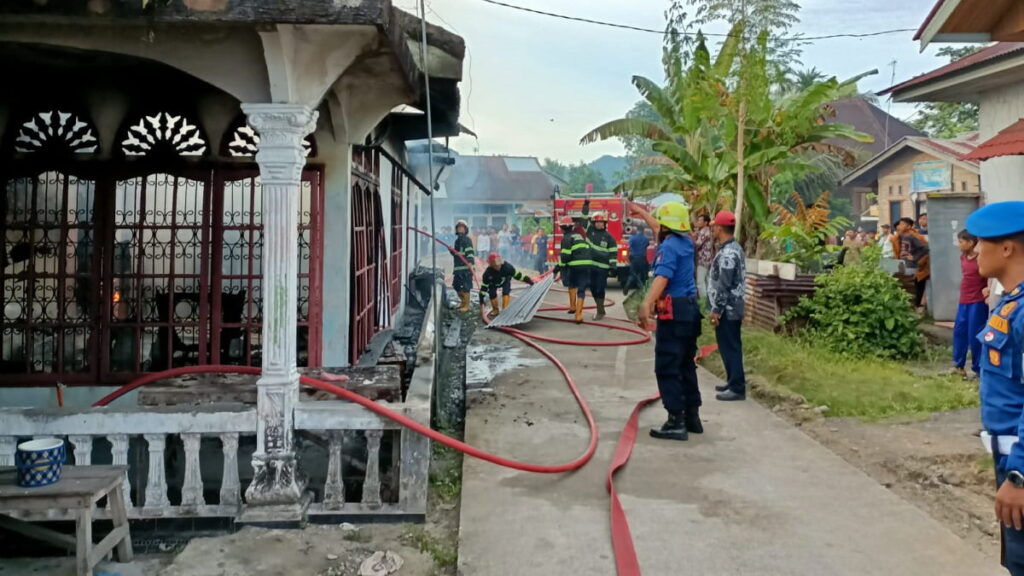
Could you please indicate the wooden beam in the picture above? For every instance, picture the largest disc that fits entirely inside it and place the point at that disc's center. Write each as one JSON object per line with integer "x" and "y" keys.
{"x": 1010, "y": 27}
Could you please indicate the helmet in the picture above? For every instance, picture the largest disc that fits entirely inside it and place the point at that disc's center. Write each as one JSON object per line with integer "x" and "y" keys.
{"x": 493, "y": 258}
{"x": 462, "y": 223}
{"x": 673, "y": 215}
{"x": 565, "y": 221}
{"x": 600, "y": 217}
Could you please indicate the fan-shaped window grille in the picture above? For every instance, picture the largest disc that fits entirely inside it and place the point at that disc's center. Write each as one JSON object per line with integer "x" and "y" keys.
{"x": 56, "y": 131}
{"x": 245, "y": 142}
{"x": 164, "y": 133}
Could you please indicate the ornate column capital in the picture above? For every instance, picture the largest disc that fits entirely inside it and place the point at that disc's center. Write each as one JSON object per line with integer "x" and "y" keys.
{"x": 282, "y": 128}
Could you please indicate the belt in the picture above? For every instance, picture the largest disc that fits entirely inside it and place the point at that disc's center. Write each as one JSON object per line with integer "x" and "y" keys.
{"x": 1005, "y": 443}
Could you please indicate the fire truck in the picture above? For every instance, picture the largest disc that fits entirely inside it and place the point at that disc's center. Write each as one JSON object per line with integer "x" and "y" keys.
{"x": 615, "y": 207}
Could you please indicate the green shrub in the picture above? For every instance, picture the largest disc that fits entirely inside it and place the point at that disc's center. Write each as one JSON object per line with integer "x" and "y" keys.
{"x": 861, "y": 311}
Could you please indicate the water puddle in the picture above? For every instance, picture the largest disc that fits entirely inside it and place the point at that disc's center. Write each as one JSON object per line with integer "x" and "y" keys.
{"x": 486, "y": 362}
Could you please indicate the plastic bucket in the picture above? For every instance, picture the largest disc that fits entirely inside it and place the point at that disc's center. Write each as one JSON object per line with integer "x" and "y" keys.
{"x": 39, "y": 462}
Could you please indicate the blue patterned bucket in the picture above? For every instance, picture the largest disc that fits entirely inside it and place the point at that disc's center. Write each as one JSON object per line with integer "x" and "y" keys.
{"x": 39, "y": 462}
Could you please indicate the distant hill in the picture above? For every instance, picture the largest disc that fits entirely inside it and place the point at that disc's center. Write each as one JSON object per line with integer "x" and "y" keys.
{"x": 609, "y": 166}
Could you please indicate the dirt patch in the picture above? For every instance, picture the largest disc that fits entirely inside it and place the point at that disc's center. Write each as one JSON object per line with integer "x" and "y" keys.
{"x": 936, "y": 462}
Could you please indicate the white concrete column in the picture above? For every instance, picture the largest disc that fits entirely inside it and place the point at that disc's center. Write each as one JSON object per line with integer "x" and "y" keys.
{"x": 276, "y": 492}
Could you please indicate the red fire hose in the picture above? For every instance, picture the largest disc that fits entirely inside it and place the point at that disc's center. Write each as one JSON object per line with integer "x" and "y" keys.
{"x": 622, "y": 541}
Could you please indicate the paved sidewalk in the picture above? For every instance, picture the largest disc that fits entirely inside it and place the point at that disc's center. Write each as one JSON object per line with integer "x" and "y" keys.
{"x": 752, "y": 496}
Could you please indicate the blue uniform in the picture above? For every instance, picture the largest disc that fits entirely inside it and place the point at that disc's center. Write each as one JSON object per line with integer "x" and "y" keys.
{"x": 1002, "y": 376}
{"x": 639, "y": 269}
{"x": 675, "y": 346}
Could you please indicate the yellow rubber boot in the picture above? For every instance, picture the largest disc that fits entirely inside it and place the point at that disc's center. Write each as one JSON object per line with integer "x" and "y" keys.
{"x": 464, "y": 297}
{"x": 494, "y": 308}
{"x": 579, "y": 310}
{"x": 572, "y": 301}
{"x": 505, "y": 300}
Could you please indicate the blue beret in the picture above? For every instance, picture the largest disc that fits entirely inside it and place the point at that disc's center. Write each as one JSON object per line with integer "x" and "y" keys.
{"x": 997, "y": 220}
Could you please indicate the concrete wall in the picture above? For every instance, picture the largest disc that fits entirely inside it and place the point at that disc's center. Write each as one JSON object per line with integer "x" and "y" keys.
{"x": 894, "y": 182}
{"x": 946, "y": 216}
{"x": 1002, "y": 178}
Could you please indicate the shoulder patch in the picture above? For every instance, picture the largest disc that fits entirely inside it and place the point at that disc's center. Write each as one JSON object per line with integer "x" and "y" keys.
{"x": 990, "y": 336}
{"x": 1008, "y": 309}
{"x": 999, "y": 323}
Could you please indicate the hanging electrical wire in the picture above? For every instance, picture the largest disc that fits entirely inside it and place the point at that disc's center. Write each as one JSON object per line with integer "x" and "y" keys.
{"x": 711, "y": 35}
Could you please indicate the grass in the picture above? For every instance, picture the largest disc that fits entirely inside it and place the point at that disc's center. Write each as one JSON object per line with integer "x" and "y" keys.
{"x": 445, "y": 472}
{"x": 445, "y": 556}
{"x": 865, "y": 388}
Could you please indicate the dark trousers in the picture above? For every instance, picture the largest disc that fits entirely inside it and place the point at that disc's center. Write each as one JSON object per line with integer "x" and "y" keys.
{"x": 730, "y": 346}
{"x": 598, "y": 282}
{"x": 462, "y": 281}
{"x": 506, "y": 289}
{"x": 970, "y": 320}
{"x": 579, "y": 278}
{"x": 1012, "y": 539}
{"x": 639, "y": 270}
{"x": 919, "y": 290}
{"x": 674, "y": 366}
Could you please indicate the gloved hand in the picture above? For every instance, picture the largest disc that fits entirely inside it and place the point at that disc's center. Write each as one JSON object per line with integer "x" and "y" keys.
{"x": 483, "y": 298}
{"x": 529, "y": 281}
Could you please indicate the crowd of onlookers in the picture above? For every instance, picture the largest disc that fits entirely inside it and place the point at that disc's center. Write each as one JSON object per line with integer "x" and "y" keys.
{"x": 523, "y": 249}
{"x": 908, "y": 242}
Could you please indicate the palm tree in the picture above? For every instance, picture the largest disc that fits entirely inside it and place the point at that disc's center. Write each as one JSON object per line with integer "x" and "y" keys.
{"x": 804, "y": 79}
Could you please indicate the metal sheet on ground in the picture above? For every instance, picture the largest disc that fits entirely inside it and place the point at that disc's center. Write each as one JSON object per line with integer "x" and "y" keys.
{"x": 522, "y": 308}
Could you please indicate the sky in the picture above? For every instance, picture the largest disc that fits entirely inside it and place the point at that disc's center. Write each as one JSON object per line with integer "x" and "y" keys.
{"x": 534, "y": 85}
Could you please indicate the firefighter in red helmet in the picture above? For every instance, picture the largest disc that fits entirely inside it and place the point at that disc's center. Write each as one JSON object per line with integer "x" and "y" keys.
{"x": 499, "y": 274}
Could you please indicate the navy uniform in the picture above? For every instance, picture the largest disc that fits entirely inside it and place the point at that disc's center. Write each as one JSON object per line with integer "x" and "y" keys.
{"x": 462, "y": 252}
{"x": 603, "y": 248}
{"x": 679, "y": 325}
{"x": 1002, "y": 379}
{"x": 565, "y": 225}
{"x": 499, "y": 273}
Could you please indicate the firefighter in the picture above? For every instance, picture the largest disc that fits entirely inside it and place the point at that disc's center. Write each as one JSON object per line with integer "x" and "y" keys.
{"x": 603, "y": 248}
{"x": 499, "y": 273}
{"x": 673, "y": 294}
{"x": 576, "y": 263}
{"x": 462, "y": 281}
{"x": 565, "y": 224}
{"x": 1000, "y": 227}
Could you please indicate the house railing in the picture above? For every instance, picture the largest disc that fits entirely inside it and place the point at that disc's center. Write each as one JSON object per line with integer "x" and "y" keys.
{"x": 200, "y": 446}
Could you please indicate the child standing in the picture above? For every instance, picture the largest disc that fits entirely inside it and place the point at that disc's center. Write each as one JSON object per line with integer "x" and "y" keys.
{"x": 973, "y": 310}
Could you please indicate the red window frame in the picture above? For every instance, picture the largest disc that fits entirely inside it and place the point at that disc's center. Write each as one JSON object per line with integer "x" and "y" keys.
{"x": 397, "y": 256}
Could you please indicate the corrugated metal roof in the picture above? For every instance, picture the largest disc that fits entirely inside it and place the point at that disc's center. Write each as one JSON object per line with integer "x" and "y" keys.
{"x": 522, "y": 164}
{"x": 982, "y": 57}
{"x": 1009, "y": 142}
{"x": 525, "y": 305}
{"x": 872, "y": 120}
{"x": 500, "y": 178}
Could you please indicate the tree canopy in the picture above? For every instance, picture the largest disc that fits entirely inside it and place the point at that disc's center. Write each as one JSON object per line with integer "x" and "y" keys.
{"x": 948, "y": 119}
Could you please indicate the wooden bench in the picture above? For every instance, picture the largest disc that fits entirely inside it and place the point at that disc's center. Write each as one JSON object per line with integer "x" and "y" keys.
{"x": 79, "y": 489}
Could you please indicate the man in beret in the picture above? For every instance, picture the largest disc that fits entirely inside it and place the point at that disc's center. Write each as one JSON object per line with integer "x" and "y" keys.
{"x": 1000, "y": 228}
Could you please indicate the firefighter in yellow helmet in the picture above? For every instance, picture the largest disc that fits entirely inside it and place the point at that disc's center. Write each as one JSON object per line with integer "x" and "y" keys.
{"x": 499, "y": 274}
{"x": 673, "y": 295}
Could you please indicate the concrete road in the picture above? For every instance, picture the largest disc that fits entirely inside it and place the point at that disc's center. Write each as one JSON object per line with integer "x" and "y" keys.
{"x": 752, "y": 496}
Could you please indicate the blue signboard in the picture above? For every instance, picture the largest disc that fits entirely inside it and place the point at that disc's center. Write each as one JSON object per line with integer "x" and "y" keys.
{"x": 932, "y": 176}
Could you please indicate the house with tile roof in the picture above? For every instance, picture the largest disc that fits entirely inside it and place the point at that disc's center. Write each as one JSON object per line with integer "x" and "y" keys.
{"x": 992, "y": 77}
{"x": 901, "y": 177}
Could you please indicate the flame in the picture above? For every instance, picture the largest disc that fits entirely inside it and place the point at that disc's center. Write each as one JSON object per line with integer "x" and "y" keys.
{"x": 117, "y": 296}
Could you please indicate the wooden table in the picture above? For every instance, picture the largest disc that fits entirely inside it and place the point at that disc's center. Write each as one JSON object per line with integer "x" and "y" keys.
{"x": 79, "y": 489}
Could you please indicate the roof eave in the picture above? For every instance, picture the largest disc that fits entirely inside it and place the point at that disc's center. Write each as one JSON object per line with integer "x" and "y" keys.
{"x": 936, "y": 21}
{"x": 967, "y": 77}
{"x": 875, "y": 163}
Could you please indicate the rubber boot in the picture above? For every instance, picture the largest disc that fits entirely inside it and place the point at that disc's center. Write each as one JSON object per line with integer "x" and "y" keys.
{"x": 505, "y": 299}
{"x": 464, "y": 297}
{"x": 572, "y": 301}
{"x": 673, "y": 429}
{"x": 579, "y": 310}
{"x": 600, "y": 309}
{"x": 691, "y": 417}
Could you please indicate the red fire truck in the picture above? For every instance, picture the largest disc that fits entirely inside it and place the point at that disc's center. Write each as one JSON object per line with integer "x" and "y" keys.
{"x": 618, "y": 218}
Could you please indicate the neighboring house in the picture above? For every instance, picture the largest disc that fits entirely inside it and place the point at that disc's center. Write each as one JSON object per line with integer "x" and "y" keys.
{"x": 496, "y": 190}
{"x": 902, "y": 176}
{"x": 992, "y": 77}
{"x": 883, "y": 128}
{"x": 191, "y": 183}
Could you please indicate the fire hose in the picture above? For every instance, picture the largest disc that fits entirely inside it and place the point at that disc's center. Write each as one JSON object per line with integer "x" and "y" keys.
{"x": 622, "y": 540}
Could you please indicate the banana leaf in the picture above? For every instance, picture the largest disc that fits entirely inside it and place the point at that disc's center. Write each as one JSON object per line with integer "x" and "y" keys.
{"x": 632, "y": 302}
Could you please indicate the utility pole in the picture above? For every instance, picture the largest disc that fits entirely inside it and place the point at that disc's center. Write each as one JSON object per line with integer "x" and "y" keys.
{"x": 741, "y": 121}
{"x": 888, "y": 112}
